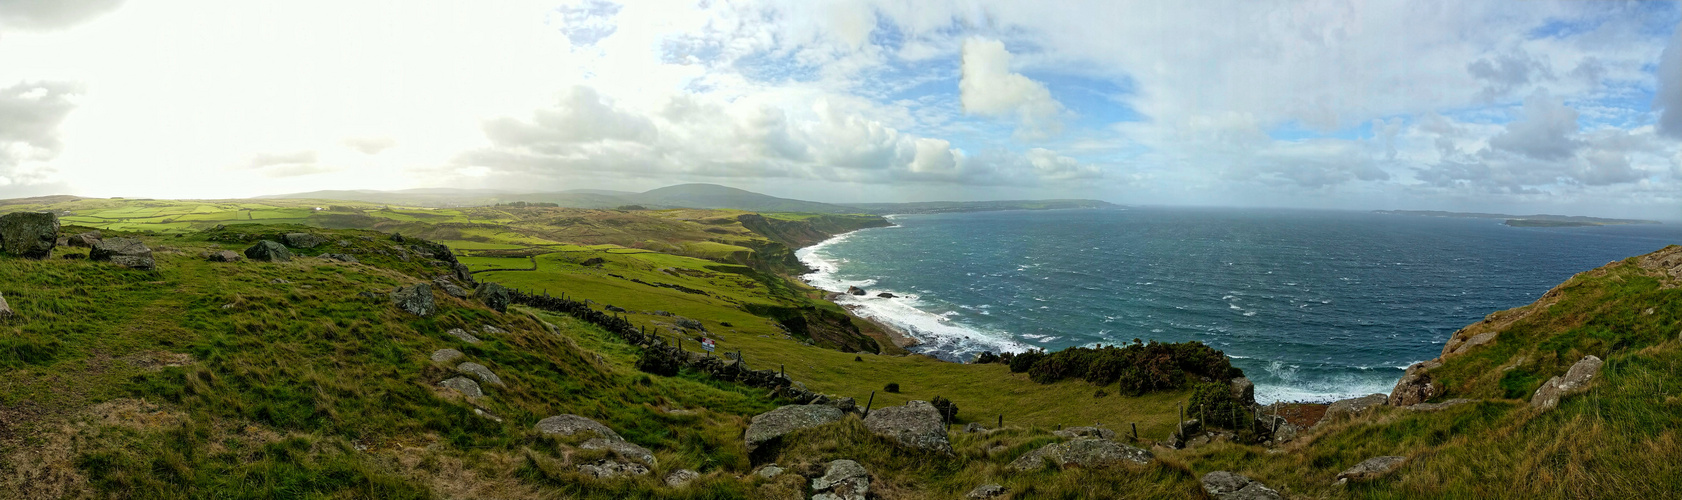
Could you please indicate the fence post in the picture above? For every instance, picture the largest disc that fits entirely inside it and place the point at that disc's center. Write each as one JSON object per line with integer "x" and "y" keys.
{"x": 867, "y": 403}
{"x": 1001, "y": 421}
{"x": 1181, "y": 424}
{"x": 1135, "y": 430}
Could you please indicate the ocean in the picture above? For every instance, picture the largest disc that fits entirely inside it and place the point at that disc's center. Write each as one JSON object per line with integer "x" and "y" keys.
{"x": 1312, "y": 305}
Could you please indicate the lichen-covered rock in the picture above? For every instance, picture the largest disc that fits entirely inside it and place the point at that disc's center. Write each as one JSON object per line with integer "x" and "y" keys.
{"x": 29, "y": 234}
{"x": 5, "y": 309}
{"x": 480, "y": 371}
{"x": 917, "y": 424}
{"x": 302, "y": 240}
{"x": 974, "y": 427}
{"x": 776, "y": 423}
{"x": 1079, "y": 432}
{"x": 465, "y": 386}
{"x": 1440, "y": 406}
{"x": 126, "y": 252}
{"x": 769, "y": 471}
{"x": 1084, "y": 452}
{"x": 346, "y": 258}
{"x": 1225, "y": 485}
{"x": 85, "y": 240}
{"x": 622, "y": 447}
{"x": 416, "y": 299}
{"x": 986, "y": 491}
{"x": 1547, "y": 397}
{"x": 842, "y": 480}
{"x": 1415, "y": 386}
{"x": 680, "y": 478}
{"x": 448, "y": 284}
{"x": 223, "y": 256}
{"x": 1372, "y": 468}
{"x": 493, "y": 295}
{"x": 607, "y": 469}
{"x": 446, "y": 355}
{"x": 268, "y": 251}
{"x": 463, "y": 335}
{"x": 1243, "y": 390}
{"x": 567, "y": 425}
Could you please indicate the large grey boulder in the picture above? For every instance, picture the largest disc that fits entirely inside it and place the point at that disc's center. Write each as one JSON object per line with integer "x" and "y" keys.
{"x": 5, "y": 309}
{"x": 85, "y": 240}
{"x": 917, "y": 424}
{"x": 567, "y": 425}
{"x": 268, "y": 251}
{"x": 1283, "y": 430}
{"x": 1225, "y": 485}
{"x": 493, "y": 295}
{"x": 465, "y": 386}
{"x": 623, "y": 448}
{"x": 1576, "y": 379}
{"x": 1415, "y": 386}
{"x": 29, "y": 234}
{"x": 302, "y": 240}
{"x": 776, "y": 423}
{"x": 1345, "y": 408}
{"x": 1084, "y": 452}
{"x": 480, "y": 371}
{"x": 416, "y": 299}
{"x": 1372, "y": 468}
{"x": 842, "y": 480}
{"x": 126, "y": 252}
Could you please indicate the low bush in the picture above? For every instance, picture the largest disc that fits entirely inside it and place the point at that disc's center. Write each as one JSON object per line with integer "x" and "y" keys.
{"x": 892, "y": 387}
{"x": 1138, "y": 367}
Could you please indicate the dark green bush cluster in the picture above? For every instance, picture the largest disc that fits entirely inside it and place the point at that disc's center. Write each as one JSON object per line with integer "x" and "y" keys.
{"x": 948, "y": 409}
{"x": 892, "y": 387}
{"x": 1213, "y": 404}
{"x": 986, "y": 357}
{"x": 1139, "y": 367}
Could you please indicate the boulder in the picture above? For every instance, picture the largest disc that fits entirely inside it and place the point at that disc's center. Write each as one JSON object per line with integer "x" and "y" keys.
{"x": 302, "y": 240}
{"x": 223, "y": 256}
{"x": 491, "y": 330}
{"x": 680, "y": 478}
{"x": 691, "y": 324}
{"x": 341, "y": 257}
{"x": 1345, "y": 408}
{"x": 842, "y": 480}
{"x": 446, "y": 355}
{"x": 484, "y": 374}
{"x": 614, "y": 308}
{"x": 1243, "y": 390}
{"x": 1372, "y": 468}
{"x": 885, "y": 295}
{"x": 624, "y": 448}
{"x": 1283, "y": 430}
{"x": 462, "y": 273}
{"x": 126, "y": 252}
{"x": 974, "y": 427}
{"x": 1080, "y": 432}
{"x": 853, "y": 290}
{"x": 465, "y": 386}
{"x": 607, "y": 469}
{"x": 268, "y": 251}
{"x": 463, "y": 335}
{"x": 567, "y": 425}
{"x": 5, "y": 309}
{"x": 1547, "y": 397}
{"x": 448, "y": 284}
{"x": 1083, "y": 452}
{"x": 917, "y": 424}
{"x": 416, "y": 299}
{"x": 1415, "y": 386}
{"x": 29, "y": 234}
{"x": 85, "y": 240}
{"x": 493, "y": 295}
{"x": 768, "y": 471}
{"x": 1225, "y": 485}
{"x": 773, "y": 424}
{"x": 986, "y": 491}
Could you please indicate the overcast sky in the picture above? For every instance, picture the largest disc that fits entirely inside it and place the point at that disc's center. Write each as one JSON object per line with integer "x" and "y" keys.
{"x": 1515, "y": 106}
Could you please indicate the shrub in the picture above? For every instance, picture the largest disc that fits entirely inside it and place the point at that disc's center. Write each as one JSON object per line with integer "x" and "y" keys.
{"x": 1022, "y": 361}
{"x": 1212, "y": 404}
{"x": 1138, "y": 367}
{"x": 892, "y": 387}
{"x": 948, "y": 410}
{"x": 986, "y": 357}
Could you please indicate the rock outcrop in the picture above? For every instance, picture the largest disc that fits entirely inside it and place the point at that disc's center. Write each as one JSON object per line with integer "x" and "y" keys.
{"x": 84, "y": 240}
{"x": 268, "y": 251}
{"x": 493, "y": 295}
{"x": 463, "y": 335}
{"x": 680, "y": 478}
{"x": 567, "y": 425}
{"x": 1080, "y": 432}
{"x": 1440, "y": 406}
{"x": 917, "y": 424}
{"x": 1088, "y": 453}
{"x": 126, "y": 252}
{"x": 416, "y": 299}
{"x": 1243, "y": 390}
{"x": 30, "y": 235}
{"x": 773, "y": 424}
{"x": 1346, "y": 408}
{"x": 1372, "y": 468}
{"x": 1576, "y": 379}
{"x": 1415, "y": 386}
{"x": 842, "y": 480}
{"x": 1225, "y": 485}
{"x": 477, "y": 370}
{"x": 302, "y": 240}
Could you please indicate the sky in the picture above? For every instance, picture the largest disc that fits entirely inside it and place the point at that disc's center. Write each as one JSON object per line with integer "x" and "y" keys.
{"x": 1570, "y": 107}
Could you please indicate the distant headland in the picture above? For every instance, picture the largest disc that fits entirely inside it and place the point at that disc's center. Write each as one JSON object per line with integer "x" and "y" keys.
{"x": 1539, "y": 220}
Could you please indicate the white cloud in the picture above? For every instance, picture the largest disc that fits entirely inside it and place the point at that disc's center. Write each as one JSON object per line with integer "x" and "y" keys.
{"x": 989, "y": 88}
{"x": 1668, "y": 98}
{"x": 51, "y": 14}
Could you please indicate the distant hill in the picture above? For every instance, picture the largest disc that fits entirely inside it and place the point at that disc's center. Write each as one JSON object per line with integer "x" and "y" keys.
{"x": 716, "y": 196}
{"x": 1538, "y": 220}
{"x": 935, "y": 207}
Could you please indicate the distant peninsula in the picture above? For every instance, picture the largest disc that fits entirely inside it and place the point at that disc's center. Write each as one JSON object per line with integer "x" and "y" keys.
{"x": 940, "y": 207}
{"x": 1539, "y": 220}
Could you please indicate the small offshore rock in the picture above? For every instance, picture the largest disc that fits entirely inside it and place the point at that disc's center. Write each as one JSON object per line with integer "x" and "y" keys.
{"x": 302, "y": 240}
{"x": 680, "y": 478}
{"x": 463, "y": 335}
{"x": 126, "y": 252}
{"x": 776, "y": 423}
{"x": 416, "y": 299}
{"x": 986, "y": 491}
{"x": 30, "y": 235}
{"x": 224, "y": 256}
{"x": 1575, "y": 379}
{"x": 465, "y": 386}
{"x": 917, "y": 424}
{"x": 1372, "y": 468}
{"x": 480, "y": 371}
{"x": 567, "y": 425}
{"x": 268, "y": 251}
{"x": 853, "y": 290}
{"x": 1225, "y": 485}
{"x": 446, "y": 355}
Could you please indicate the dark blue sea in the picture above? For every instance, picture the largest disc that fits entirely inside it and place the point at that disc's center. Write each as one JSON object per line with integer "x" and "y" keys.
{"x": 1313, "y": 305}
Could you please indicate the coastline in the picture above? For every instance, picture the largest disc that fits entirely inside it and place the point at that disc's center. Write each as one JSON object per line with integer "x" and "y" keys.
{"x": 900, "y": 337}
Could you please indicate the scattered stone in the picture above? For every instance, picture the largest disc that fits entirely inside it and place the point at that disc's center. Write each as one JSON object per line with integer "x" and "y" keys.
{"x": 1415, "y": 386}
{"x": 624, "y": 448}
{"x": 691, "y": 324}
{"x": 885, "y": 295}
{"x": 1344, "y": 408}
{"x": 1547, "y": 397}
{"x": 487, "y": 414}
{"x": 416, "y": 299}
{"x": 341, "y": 257}
{"x": 1283, "y": 430}
{"x": 1440, "y": 406}
{"x": 223, "y": 256}
{"x": 278, "y": 281}
{"x": 480, "y": 371}
{"x": 853, "y": 290}
{"x": 1225, "y": 485}
{"x": 465, "y": 386}
{"x": 302, "y": 240}
{"x": 126, "y": 252}
{"x": 917, "y": 424}
{"x": 463, "y": 335}
{"x": 5, "y": 309}
{"x": 268, "y": 251}
{"x": 769, "y": 471}
{"x": 1372, "y": 468}
{"x": 1083, "y": 452}
{"x": 773, "y": 424}
{"x": 1080, "y": 432}
{"x": 493, "y": 330}
{"x": 493, "y": 295}
{"x": 607, "y": 469}
{"x": 85, "y": 240}
{"x": 449, "y": 287}
{"x": 1243, "y": 390}
{"x": 30, "y": 235}
{"x": 974, "y": 427}
{"x": 567, "y": 425}
{"x": 843, "y": 480}
{"x": 681, "y": 477}
{"x": 446, "y": 355}
{"x": 986, "y": 491}
{"x": 614, "y": 308}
